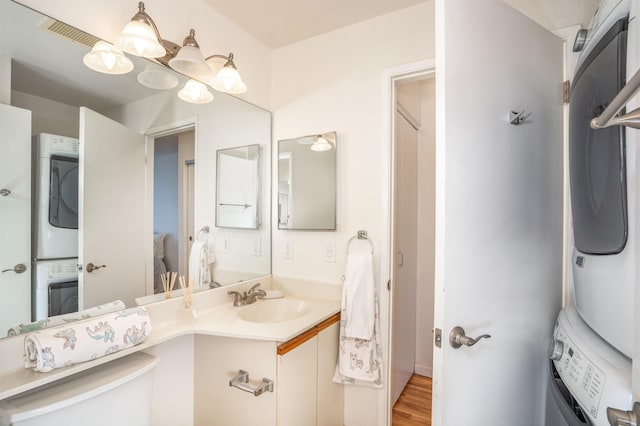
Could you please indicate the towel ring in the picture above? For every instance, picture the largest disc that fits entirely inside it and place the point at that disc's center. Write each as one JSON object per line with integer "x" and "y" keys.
{"x": 362, "y": 235}
{"x": 202, "y": 233}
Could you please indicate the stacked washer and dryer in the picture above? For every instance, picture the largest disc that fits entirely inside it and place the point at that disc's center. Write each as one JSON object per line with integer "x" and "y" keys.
{"x": 55, "y": 226}
{"x": 592, "y": 343}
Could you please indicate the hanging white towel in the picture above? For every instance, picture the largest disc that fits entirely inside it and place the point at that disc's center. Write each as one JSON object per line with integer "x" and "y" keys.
{"x": 359, "y": 360}
{"x": 359, "y": 295}
{"x": 86, "y": 340}
{"x": 201, "y": 260}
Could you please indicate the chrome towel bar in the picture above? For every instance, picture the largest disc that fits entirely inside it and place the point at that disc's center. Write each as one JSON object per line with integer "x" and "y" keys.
{"x": 241, "y": 381}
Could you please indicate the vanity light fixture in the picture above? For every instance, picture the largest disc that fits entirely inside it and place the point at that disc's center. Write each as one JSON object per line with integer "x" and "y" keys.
{"x": 108, "y": 59}
{"x": 140, "y": 37}
{"x": 321, "y": 144}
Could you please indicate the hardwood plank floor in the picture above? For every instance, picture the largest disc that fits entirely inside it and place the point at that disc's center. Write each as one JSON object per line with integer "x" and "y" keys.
{"x": 413, "y": 408}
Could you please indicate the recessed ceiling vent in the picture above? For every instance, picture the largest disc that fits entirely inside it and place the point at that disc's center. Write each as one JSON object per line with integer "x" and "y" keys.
{"x": 69, "y": 32}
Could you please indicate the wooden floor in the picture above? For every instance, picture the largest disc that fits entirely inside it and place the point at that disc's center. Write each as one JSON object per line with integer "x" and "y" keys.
{"x": 414, "y": 405}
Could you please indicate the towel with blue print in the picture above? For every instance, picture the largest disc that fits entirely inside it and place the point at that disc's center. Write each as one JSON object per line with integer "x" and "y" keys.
{"x": 359, "y": 360}
{"x": 83, "y": 341}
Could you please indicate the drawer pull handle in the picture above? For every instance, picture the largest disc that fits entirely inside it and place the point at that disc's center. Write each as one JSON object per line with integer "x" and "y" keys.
{"x": 241, "y": 381}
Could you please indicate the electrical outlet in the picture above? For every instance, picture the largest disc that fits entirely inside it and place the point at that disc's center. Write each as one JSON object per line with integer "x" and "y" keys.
{"x": 224, "y": 244}
{"x": 330, "y": 252}
{"x": 287, "y": 250}
{"x": 256, "y": 249}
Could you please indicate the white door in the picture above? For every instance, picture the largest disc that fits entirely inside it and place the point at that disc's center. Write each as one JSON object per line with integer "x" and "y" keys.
{"x": 405, "y": 245}
{"x": 111, "y": 216}
{"x": 499, "y": 190}
{"x": 15, "y": 217}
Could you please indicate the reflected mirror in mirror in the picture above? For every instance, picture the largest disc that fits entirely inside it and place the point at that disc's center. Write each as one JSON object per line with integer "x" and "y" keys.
{"x": 238, "y": 187}
{"x": 307, "y": 182}
{"x": 47, "y": 77}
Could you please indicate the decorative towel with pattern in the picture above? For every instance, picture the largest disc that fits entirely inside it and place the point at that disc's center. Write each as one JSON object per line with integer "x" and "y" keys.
{"x": 116, "y": 305}
{"x": 86, "y": 340}
{"x": 359, "y": 360}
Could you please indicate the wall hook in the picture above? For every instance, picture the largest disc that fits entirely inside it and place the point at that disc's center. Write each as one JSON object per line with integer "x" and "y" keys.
{"x": 517, "y": 118}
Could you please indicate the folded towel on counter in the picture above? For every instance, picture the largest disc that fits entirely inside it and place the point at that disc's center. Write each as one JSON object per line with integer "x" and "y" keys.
{"x": 86, "y": 340}
{"x": 360, "y": 360}
{"x": 358, "y": 294}
{"x": 116, "y": 305}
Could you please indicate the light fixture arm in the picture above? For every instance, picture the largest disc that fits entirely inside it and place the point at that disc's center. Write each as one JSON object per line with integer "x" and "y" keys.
{"x": 229, "y": 59}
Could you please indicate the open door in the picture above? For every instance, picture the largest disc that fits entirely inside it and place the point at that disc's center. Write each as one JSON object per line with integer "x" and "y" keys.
{"x": 112, "y": 191}
{"x": 15, "y": 217}
{"x": 498, "y": 213}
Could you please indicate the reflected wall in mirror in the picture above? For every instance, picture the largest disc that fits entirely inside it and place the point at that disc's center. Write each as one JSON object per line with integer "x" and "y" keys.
{"x": 307, "y": 182}
{"x": 238, "y": 187}
{"x": 51, "y": 91}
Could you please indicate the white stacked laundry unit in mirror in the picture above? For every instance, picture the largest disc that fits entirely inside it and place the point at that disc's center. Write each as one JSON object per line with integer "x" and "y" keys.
{"x": 55, "y": 225}
{"x": 592, "y": 342}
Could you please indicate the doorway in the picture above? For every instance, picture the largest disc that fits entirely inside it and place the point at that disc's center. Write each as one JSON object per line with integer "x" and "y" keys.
{"x": 412, "y": 247}
{"x": 173, "y": 157}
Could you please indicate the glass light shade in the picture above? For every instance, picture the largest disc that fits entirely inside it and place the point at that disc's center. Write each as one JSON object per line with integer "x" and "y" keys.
{"x": 108, "y": 59}
{"x": 195, "y": 93}
{"x": 321, "y": 144}
{"x": 228, "y": 80}
{"x": 157, "y": 78}
{"x": 190, "y": 61}
{"x": 139, "y": 39}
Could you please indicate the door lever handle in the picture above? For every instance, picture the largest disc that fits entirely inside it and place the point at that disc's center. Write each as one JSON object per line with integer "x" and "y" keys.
{"x": 91, "y": 267}
{"x": 18, "y": 269}
{"x": 4, "y": 192}
{"x": 624, "y": 418}
{"x": 457, "y": 338}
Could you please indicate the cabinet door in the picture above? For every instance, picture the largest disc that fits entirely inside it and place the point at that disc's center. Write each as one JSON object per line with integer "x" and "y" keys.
{"x": 217, "y": 360}
{"x": 297, "y": 372}
{"x": 330, "y": 400}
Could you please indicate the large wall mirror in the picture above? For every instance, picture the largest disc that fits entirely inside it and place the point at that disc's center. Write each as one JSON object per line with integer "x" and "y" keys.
{"x": 307, "y": 182}
{"x": 145, "y": 163}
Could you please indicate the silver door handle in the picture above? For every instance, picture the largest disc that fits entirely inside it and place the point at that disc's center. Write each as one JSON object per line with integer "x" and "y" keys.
{"x": 4, "y": 192}
{"x": 457, "y": 338}
{"x": 624, "y": 418}
{"x": 18, "y": 269}
{"x": 91, "y": 267}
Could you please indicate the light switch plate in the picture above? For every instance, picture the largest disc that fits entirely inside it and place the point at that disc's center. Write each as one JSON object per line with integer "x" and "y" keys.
{"x": 330, "y": 252}
{"x": 224, "y": 244}
{"x": 287, "y": 250}
{"x": 256, "y": 248}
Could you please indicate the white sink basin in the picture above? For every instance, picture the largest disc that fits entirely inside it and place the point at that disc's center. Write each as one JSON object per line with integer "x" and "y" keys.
{"x": 274, "y": 310}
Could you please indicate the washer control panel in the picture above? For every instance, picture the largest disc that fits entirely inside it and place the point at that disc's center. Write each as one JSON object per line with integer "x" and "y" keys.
{"x": 585, "y": 381}
{"x": 62, "y": 270}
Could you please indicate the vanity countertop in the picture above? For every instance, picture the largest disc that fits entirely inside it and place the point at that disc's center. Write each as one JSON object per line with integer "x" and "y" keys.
{"x": 216, "y": 316}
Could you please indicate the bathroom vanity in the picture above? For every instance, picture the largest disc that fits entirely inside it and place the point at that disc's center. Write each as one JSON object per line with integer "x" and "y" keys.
{"x": 199, "y": 356}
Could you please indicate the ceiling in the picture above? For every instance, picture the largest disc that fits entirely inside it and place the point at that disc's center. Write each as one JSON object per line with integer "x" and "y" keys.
{"x": 279, "y": 23}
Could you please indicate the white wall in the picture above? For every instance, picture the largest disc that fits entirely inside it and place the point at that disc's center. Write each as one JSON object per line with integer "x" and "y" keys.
{"x": 334, "y": 82}
{"x": 48, "y": 116}
{"x": 214, "y": 32}
{"x": 5, "y": 79}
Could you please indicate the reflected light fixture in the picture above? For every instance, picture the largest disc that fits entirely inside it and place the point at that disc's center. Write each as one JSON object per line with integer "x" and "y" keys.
{"x": 321, "y": 144}
{"x": 140, "y": 37}
{"x": 195, "y": 93}
{"x": 154, "y": 77}
{"x": 108, "y": 59}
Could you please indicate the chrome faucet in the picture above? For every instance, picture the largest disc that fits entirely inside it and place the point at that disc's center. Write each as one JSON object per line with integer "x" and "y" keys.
{"x": 248, "y": 297}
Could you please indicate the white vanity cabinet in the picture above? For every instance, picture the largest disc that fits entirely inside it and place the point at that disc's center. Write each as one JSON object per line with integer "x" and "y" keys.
{"x": 306, "y": 392}
{"x": 302, "y": 369}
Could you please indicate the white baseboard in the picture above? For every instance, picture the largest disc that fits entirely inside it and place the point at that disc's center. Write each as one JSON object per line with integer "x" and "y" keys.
{"x": 423, "y": 370}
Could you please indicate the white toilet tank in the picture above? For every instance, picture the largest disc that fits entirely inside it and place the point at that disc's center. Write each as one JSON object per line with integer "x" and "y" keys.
{"x": 116, "y": 393}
